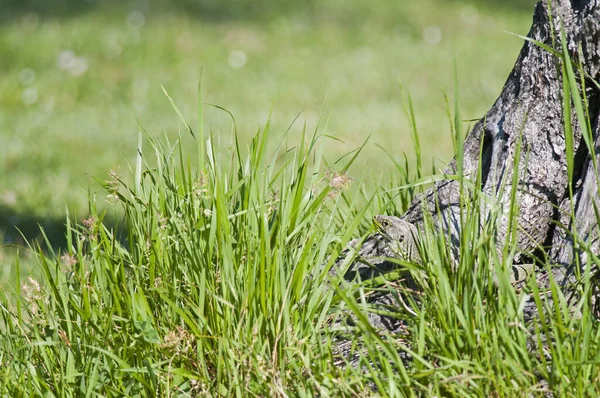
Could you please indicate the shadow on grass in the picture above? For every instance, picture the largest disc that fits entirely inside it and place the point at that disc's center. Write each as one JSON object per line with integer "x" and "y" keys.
{"x": 19, "y": 229}
{"x": 206, "y": 10}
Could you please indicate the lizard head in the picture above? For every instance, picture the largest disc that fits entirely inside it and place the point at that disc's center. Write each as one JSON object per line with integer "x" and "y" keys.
{"x": 393, "y": 228}
{"x": 401, "y": 235}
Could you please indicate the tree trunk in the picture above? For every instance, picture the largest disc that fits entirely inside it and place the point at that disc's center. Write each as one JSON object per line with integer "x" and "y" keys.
{"x": 530, "y": 110}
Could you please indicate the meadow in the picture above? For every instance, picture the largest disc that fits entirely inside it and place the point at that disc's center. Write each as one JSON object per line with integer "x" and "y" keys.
{"x": 190, "y": 231}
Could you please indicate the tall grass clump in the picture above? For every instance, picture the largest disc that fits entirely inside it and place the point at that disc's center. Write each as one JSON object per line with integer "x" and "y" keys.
{"x": 218, "y": 282}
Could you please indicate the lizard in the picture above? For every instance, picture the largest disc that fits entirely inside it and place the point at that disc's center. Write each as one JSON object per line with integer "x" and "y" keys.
{"x": 403, "y": 237}
{"x": 393, "y": 238}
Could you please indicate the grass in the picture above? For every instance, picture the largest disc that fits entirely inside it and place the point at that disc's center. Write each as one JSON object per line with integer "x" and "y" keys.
{"x": 209, "y": 253}
{"x": 220, "y": 287}
{"x": 202, "y": 270}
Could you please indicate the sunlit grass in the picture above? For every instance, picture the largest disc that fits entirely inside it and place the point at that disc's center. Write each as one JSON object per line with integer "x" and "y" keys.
{"x": 217, "y": 283}
{"x": 201, "y": 268}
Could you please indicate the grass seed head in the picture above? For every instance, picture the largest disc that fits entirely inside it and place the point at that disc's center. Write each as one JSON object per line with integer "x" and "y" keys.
{"x": 68, "y": 262}
{"x": 338, "y": 182}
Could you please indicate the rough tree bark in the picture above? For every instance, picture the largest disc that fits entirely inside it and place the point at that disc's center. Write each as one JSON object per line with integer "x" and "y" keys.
{"x": 530, "y": 108}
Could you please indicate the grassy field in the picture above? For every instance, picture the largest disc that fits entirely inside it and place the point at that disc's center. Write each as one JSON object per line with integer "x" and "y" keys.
{"x": 208, "y": 273}
{"x": 76, "y": 78}
{"x": 222, "y": 288}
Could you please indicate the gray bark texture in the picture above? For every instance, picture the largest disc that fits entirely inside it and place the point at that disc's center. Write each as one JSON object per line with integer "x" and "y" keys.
{"x": 530, "y": 109}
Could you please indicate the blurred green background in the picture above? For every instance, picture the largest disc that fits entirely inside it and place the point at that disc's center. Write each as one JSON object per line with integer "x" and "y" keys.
{"x": 76, "y": 76}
